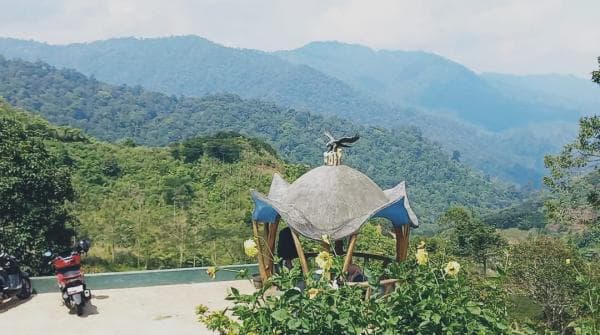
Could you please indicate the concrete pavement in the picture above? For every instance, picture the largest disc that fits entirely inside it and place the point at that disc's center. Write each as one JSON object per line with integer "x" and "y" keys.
{"x": 142, "y": 311}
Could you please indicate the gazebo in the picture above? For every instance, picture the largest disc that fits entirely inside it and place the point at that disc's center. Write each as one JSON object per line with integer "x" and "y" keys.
{"x": 332, "y": 200}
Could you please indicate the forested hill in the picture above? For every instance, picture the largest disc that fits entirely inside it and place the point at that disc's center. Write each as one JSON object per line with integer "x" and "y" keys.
{"x": 144, "y": 207}
{"x": 194, "y": 66}
{"x": 348, "y": 81}
{"x": 424, "y": 79}
{"x": 119, "y": 112}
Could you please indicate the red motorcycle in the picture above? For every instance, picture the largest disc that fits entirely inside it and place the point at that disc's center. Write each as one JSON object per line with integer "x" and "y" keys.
{"x": 70, "y": 279}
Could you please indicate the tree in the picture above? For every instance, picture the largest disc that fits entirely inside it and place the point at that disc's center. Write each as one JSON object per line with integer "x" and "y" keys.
{"x": 596, "y": 74}
{"x": 470, "y": 236}
{"x": 33, "y": 191}
{"x": 574, "y": 173}
{"x": 583, "y": 155}
{"x": 544, "y": 270}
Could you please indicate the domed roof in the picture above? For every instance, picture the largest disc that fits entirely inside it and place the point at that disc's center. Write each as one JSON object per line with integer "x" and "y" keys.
{"x": 332, "y": 200}
{"x": 331, "y": 195}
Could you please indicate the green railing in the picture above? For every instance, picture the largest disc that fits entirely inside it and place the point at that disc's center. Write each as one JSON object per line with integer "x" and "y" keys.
{"x": 101, "y": 281}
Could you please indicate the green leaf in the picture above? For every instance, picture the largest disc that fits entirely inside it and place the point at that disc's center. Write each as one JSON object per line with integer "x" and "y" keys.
{"x": 280, "y": 315}
{"x": 294, "y": 323}
{"x": 476, "y": 310}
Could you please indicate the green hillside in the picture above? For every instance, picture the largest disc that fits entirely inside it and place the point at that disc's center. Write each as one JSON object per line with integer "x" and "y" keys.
{"x": 116, "y": 113}
{"x": 143, "y": 208}
{"x": 565, "y": 91}
{"x": 514, "y": 155}
{"x": 193, "y": 66}
{"x": 422, "y": 79}
{"x": 442, "y": 98}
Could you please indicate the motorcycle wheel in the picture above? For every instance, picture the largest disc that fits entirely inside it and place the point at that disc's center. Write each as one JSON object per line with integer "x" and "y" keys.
{"x": 80, "y": 310}
{"x": 26, "y": 289}
{"x": 78, "y": 303}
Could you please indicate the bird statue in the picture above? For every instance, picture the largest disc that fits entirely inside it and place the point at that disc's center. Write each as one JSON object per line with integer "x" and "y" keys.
{"x": 343, "y": 142}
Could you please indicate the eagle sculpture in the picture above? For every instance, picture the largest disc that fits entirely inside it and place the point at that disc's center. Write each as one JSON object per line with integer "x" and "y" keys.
{"x": 343, "y": 142}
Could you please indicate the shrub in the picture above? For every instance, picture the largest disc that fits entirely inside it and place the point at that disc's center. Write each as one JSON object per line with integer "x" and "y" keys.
{"x": 538, "y": 269}
{"x": 431, "y": 298}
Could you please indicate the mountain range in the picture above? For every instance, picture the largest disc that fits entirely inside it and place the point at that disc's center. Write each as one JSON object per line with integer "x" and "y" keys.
{"x": 500, "y": 124}
{"x": 416, "y": 78}
{"x": 132, "y": 114}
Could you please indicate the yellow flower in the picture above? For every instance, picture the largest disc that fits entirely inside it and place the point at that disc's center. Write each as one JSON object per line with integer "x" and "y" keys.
{"x": 250, "y": 248}
{"x": 325, "y": 238}
{"x": 312, "y": 293}
{"x": 422, "y": 257}
{"x": 452, "y": 268}
{"x": 324, "y": 260}
{"x": 568, "y": 261}
{"x": 421, "y": 245}
{"x": 211, "y": 271}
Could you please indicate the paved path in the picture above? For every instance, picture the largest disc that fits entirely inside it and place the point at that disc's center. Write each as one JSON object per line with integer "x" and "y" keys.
{"x": 140, "y": 311}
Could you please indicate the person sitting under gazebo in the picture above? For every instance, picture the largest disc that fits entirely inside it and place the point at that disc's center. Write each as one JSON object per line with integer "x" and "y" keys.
{"x": 355, "y": 274}
{"x": 286, "y": 248}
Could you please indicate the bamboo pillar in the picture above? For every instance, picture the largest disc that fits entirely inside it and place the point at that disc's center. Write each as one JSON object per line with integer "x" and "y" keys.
{"x": 271, "y": 245}
{"x": 402, "y": 235}
{"x": 265, "y": 247}
{"x": 300, "y": 252}
{"x": 348, "y": 259}
{"x": 261, "y": 261}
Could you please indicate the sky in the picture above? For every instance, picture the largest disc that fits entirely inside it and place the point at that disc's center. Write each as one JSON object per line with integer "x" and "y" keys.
{"x": 509, "y": 36}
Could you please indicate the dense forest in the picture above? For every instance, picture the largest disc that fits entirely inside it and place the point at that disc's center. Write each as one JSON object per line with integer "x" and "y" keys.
{"x": 115, "y": 113}
{"x": 430, "y": 81}
{"x": 142, "y": 207}
{"x": 446, "y": 100}
{"x": 194, "y": 66}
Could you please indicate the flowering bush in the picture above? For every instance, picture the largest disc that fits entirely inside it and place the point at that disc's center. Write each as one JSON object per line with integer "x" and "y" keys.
{"x": 431, "y": 298}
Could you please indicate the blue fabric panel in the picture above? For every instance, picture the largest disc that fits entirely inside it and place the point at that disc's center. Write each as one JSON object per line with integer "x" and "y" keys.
{"x": 263, "y": 212}
{"x": 395, "y": 212}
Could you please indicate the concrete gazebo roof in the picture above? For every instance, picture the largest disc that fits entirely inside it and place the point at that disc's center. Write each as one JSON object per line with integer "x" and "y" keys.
{"x": 332, "y": 200}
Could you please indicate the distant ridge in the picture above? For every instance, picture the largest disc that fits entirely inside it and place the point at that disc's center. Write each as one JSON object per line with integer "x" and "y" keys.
{"x": 451, "y": 104}
{"x": 115, "y": 113}
{"x": 194, "y": 66}
{"x": 418, "y": 78}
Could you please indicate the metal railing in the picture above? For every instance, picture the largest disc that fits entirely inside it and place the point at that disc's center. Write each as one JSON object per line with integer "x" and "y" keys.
{"x": 111, "y": 280}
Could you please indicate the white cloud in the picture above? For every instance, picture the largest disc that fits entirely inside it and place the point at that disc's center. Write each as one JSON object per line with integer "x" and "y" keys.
{"x": 503, "y": 36}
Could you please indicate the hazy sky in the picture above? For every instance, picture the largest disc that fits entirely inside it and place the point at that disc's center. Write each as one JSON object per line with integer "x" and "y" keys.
{"x": 513, "y": 36}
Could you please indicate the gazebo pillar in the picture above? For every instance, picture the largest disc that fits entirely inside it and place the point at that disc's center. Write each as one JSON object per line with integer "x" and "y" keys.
{"x": 271, "y": 236}
{"x": 300, "y": 252}
{"x": 402, "y": 235}
{"x": 348, "y": 259}
{"x": 261, "y": 260}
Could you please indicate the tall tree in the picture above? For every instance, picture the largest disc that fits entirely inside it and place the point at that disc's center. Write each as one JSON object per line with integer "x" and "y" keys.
{"x": 574, "y": 172}
{"x": 33, "y": 191}
{"x": 470, "y": 236}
